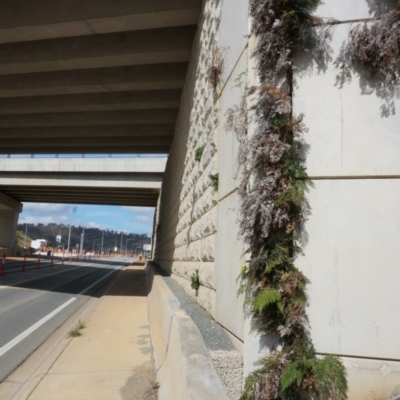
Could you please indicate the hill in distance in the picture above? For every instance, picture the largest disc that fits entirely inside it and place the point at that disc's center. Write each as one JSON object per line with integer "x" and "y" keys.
{"x": 92, "y": 237}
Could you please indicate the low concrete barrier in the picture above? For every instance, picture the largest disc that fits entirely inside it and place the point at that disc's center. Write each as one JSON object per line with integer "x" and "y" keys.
{"x": 184, "y": 368}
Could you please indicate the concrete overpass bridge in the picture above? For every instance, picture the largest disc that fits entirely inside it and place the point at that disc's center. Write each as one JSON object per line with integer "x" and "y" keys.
{"x": 89, "y": 76}
{"x": 124, "y": 182}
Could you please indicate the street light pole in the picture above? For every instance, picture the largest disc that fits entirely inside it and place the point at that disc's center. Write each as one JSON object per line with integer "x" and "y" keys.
{"x": 83, "y": 231}
{"x": 94, "y": 241}
{"x": 69, "y": 237}
{"x": 102, "y": 242}
{"x": 126, "y": 244}
{"x": 26, "y": 228}
{"x": 82, "y": 236}
{"x": 73, "y": 209}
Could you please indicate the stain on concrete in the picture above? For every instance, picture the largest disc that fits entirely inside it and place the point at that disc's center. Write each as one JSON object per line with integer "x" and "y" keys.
{"x": 142, "y": 384}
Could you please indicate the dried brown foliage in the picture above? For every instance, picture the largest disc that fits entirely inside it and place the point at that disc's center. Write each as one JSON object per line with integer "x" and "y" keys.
{"x": 373, "y": 53}
{"x": 285, "y": 29}
{"x": 215, "y": 67}
{"x": 272, "y": 195}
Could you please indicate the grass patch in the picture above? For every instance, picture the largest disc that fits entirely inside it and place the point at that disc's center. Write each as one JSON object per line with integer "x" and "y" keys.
{"x": 154, "y": 384}
{"x": 76, "y": 330}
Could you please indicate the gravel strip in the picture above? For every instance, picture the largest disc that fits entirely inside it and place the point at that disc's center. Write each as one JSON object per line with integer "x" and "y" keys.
{"x": 213, "y": 334}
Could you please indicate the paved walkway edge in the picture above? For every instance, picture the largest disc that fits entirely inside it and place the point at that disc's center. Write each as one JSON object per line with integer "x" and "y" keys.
{"x": 183, "y": 364}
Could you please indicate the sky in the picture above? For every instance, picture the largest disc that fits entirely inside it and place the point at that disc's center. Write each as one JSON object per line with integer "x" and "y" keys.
{"x": 118, "y": 218}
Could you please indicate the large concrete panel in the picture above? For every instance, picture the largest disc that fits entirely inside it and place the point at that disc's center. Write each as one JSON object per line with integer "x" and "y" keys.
{"x": 352, "y": 259}
{"x": 229, "y": 256}
{"x": 232, "y": 96}
{"x": 232, "y": 33}
{"x": 372, "y": 379}
{"x": 347, "y": 135}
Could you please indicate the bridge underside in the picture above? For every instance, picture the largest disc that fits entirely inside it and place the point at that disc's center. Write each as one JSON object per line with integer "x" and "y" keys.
{"x": 88, "y": 195}
{"x": 134, "y": 182}
{"x": 89, "y": 76}
{"x": 92, "y": 76}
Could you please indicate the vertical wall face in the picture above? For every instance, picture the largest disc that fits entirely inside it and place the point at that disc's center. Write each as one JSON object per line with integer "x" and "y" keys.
{"x": 9, "y": 213}
{"x": 352, "y": 235}
{"x": 353, "y": 231}
{"x": 229, "y": 250}
{"x": 187, "y": 221}
{"x": 196, "y": 227}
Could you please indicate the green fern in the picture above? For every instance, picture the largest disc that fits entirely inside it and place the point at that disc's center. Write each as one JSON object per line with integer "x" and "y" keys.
{"x": 279, "y": 256}
{"x": 293, "y": 374}
{"x": 267, "y": 297}
{"x": 330, "y": 375}
{"x": 254, "y": 379}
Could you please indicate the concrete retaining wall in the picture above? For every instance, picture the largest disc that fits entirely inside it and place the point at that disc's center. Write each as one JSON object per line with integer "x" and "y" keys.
{"x": 184, "y": 367}
{"x": 187, "y": 218}
{"x": 351, "y": 236}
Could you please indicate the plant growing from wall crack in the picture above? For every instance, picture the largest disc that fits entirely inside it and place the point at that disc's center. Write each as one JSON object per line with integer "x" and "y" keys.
{"x": 198, "y": 154}
{"x": 195, "y": 280}
{"x": 214, "y": 178}
{"x": 272, "y": 204}
{"x": 215, "y": 67}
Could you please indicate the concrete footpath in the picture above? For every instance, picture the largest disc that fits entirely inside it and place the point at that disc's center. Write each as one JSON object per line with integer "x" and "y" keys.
{"x": 112, "y": 359}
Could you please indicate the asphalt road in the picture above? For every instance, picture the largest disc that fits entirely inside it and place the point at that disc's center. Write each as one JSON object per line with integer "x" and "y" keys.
{"x": 34, "y": 303}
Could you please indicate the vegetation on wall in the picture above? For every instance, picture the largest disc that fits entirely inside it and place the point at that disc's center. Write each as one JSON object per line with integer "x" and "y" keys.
{"x": 215, "y": 67}
{"x": 198, "y": 154}
{"x": 195, "y": 280}
{"x": 373, "y": 52}
{"x": 214, "y": 178}
{"x": 272, "y": 205}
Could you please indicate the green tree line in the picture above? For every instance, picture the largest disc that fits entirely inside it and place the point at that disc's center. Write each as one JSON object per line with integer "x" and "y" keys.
{"x": 92, "y": 237}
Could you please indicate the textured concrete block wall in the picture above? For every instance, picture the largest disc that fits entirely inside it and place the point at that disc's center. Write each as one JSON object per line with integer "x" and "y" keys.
{"x": 187, "y": 220}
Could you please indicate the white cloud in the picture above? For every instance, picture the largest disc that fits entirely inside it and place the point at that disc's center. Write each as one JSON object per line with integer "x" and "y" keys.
{"x": 143, "y": 210}
{"x": 93, "y": 224}
{"x": 144, "y": 218}
{"x": 46, "y": 208}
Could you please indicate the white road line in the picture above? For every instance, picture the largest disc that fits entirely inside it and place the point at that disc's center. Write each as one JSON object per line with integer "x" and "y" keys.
{"x": 38, "y": 324}
{"x": 39, "y": 277}
{"x": 23, "y": 335}
{"x": 95, "y": 283}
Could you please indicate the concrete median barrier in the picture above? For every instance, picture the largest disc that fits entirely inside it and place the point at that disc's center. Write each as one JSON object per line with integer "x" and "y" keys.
{"x": 183, "y": 364}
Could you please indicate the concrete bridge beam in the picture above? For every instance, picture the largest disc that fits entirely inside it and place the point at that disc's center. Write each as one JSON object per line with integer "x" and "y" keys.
{"x": 95, "y": 51}
{"x": 98, "y": 80}
{"x": 73, "y": 132}
{"x": 137, "y": 100}
{"x": 26, "y": 20}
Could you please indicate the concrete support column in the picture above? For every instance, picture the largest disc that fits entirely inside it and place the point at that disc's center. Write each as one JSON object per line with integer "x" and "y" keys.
{"x": 9, "y": 213}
